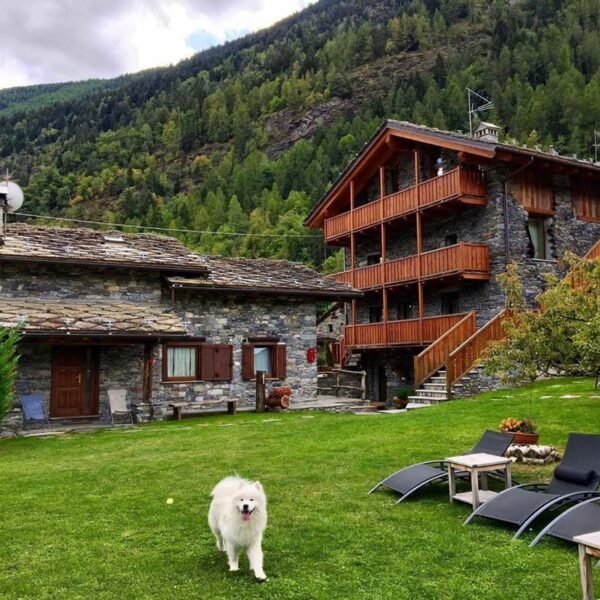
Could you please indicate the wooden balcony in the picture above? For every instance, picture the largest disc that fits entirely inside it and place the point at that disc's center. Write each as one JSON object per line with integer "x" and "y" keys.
{"x": 461, "y": 185}
{"x": 399, "y": 333}
{"x": 466, "y": 260}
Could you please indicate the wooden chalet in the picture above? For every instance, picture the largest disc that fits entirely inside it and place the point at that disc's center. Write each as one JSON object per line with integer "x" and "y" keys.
{"x": 428, "y": 219}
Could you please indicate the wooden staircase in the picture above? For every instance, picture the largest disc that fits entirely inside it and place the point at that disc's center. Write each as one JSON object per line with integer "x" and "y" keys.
{"x": 441, "y": 366}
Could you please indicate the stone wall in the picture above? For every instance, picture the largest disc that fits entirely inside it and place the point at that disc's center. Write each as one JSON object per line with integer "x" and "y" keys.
{"x": 333, "y": 325}
{"x": 220, "y": 318}
{"x": 46, "y": 281}
{"x": 227, "y": 319}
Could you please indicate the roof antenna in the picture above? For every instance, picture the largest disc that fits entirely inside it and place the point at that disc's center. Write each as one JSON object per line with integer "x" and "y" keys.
{"x": 11, "y": 200}
{"x": 476, "y": 103}
{"x": 596, "y": 145}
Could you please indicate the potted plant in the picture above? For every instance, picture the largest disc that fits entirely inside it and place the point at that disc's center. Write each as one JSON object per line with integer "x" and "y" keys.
{"x": 401, "y": 398}
{"x": 524, "y": 430}
{"x": 279, "y": 397}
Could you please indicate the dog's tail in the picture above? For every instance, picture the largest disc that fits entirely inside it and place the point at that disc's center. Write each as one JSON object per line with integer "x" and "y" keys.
{"x": 228, "y": 486}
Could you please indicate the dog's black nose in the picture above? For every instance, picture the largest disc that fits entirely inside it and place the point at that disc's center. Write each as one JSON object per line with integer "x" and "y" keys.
{"x": 245, "y": 507}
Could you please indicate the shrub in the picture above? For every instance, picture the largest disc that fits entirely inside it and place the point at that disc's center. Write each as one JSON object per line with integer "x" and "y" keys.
{"x": 404, "y": 391}
{"x": 9, "y": 338}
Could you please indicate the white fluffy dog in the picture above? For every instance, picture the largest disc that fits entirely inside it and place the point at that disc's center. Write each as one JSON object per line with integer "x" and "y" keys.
{"x": 238, "y": 518}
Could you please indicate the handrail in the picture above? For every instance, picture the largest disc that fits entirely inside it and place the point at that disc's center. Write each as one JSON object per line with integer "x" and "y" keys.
{"x": 460, "y": 258}
{"x": 436, "y": 354}
{"x": 593, "y": 252}
{"x": 462, "y": 358}
{"x": 455, "y": 183}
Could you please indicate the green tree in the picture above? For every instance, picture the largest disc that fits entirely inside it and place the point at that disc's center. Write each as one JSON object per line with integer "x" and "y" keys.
{"x": 559, "y": 338}
{"x": 9, "y": 339}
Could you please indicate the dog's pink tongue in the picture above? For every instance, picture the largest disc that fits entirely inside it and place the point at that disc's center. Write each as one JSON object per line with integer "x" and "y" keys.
{"x": 246, "y": 516}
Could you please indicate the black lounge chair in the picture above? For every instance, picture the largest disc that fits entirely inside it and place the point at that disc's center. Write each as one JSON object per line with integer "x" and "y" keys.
{"x": 410, "y": 479}
{"x": 575, "y": 479}
{"x": 580, "y": 519}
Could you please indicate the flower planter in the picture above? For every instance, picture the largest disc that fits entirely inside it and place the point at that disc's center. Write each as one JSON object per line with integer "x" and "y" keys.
{"x": 525, "y": 438}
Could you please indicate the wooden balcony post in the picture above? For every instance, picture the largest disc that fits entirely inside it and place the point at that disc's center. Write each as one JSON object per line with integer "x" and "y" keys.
{"x": 383, "y": 244}
{"x": 419, "y": 243}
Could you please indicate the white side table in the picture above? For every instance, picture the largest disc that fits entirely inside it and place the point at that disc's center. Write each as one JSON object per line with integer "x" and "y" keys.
{"x": 589, "y": 545}
{"x": 475, "y": 464}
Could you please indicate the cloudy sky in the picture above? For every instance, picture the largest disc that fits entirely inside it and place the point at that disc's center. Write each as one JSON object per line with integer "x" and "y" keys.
{"x": 44, "y": 41}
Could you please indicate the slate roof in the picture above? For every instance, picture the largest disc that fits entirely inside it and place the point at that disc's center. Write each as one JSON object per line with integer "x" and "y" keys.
{"x": 95, "y": 318}
{"x": 261, "y": 274}
{"x": 29, "y": 243}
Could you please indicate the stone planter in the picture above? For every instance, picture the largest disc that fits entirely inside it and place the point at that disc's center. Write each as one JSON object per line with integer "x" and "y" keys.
{"x": 526, "y": 438}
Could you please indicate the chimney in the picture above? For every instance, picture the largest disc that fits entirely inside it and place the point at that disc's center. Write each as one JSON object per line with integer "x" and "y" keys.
{"x": 487, "y": 132}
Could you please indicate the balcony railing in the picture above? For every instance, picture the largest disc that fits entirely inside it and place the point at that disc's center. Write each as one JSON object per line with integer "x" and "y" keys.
{"x": 399, "y": 333}
{"x": 463, "y": 259}
{"x": 456, "y": 184}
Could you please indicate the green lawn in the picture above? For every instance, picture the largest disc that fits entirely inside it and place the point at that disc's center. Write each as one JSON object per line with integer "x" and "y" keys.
{"x": 85, "y": 516}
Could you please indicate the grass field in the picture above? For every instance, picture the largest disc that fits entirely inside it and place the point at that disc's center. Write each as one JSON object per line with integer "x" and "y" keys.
{"x": 85, "y": 516}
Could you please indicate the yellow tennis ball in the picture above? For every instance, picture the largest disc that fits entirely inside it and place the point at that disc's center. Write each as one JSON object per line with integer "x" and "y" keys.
{"x": 169, "y": 500}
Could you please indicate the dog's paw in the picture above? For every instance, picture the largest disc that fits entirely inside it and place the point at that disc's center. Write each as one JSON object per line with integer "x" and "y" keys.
{"x": 233, "y": 569}
{"x": 262, "y": 579}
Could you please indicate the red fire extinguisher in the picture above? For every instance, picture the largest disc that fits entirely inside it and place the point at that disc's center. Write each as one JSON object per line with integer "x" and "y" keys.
{"x": 311, "y": 355}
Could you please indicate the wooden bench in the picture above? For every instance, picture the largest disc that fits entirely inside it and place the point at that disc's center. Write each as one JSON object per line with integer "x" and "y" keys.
{"x": 177, "y": 406}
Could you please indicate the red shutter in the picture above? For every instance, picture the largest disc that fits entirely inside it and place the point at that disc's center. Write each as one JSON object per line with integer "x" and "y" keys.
{"x": 280, "y": 366}
{"x": 247, "y": 361}
{"x": 216, "y": 362}
{"x": 223, "y": 362}
{"x": 207, "y": 363}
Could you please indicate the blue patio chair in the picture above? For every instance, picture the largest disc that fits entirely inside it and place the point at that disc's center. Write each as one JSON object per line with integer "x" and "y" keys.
{"x": 34, "y": 410}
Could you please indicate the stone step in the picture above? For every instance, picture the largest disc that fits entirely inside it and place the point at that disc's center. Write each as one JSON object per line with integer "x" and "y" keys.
{"x": 426, "y": 400}
{"x": 434, "y": 386}
{"x": 431, "y": 393}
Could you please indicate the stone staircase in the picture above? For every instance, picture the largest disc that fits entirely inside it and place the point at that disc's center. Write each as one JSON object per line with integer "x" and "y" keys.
{"x": 471, "y": 383}
{"x": 433, "y": 390}
{"x": 353, "y": 361}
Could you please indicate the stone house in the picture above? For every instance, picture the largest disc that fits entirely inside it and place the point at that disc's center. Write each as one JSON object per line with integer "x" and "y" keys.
{"x": 428, "y": 220}
{"x": 107, "y": 310}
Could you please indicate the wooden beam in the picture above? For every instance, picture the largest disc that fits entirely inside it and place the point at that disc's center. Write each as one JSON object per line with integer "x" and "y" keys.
{"x": 148, "y": 372}
{"x": 419, "y": 244}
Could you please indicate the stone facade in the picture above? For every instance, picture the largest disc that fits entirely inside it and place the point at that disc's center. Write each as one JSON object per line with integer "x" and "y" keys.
{"x": 219, "y": 317}
{"x": 476, "y": 224}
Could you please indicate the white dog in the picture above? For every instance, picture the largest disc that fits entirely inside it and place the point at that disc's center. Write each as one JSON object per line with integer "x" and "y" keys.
{"x": 238, "y": 518}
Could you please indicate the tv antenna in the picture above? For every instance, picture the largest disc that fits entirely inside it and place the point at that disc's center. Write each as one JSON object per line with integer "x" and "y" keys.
{"x": 477, "y": 103}
{"x": 596, "y": 144}
{"x": 11, "y": 200}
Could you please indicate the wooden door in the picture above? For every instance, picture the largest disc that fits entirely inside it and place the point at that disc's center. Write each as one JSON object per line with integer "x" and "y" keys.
{"x": 74, "y": 382}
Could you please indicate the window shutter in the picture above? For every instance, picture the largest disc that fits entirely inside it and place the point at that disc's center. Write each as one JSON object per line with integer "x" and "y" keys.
{"x": 280, "y": 362}
{"x": 216, "y": 362}
{"x": 224, "y": 362}
{"x": 247, "y": 361}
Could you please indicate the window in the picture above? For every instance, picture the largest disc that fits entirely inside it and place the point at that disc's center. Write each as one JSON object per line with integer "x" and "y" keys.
{"x": 181, "y": 363}
{"x": 330, "y": 328}
{"x": 538, "y": 241}
{"x": 264, "y": 355}
{"x": 450, "y": 304}
{"x": 375, "y": 314}
{"x": 451, "y": 239}
{"x": 197, "y": 362}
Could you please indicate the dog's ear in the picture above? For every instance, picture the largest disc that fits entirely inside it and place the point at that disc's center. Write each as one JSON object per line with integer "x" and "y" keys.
{"x": 258, "y": 486}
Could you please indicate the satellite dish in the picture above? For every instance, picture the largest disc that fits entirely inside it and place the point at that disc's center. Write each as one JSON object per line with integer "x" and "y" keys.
{"x": 14, "y": 195}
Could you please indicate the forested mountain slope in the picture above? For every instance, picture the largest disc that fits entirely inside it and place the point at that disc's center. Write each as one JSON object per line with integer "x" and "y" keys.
{"x": 245, "y": 137}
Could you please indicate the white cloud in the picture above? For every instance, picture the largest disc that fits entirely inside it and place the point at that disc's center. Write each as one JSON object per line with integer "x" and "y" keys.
{"x": 46, "y": 41}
